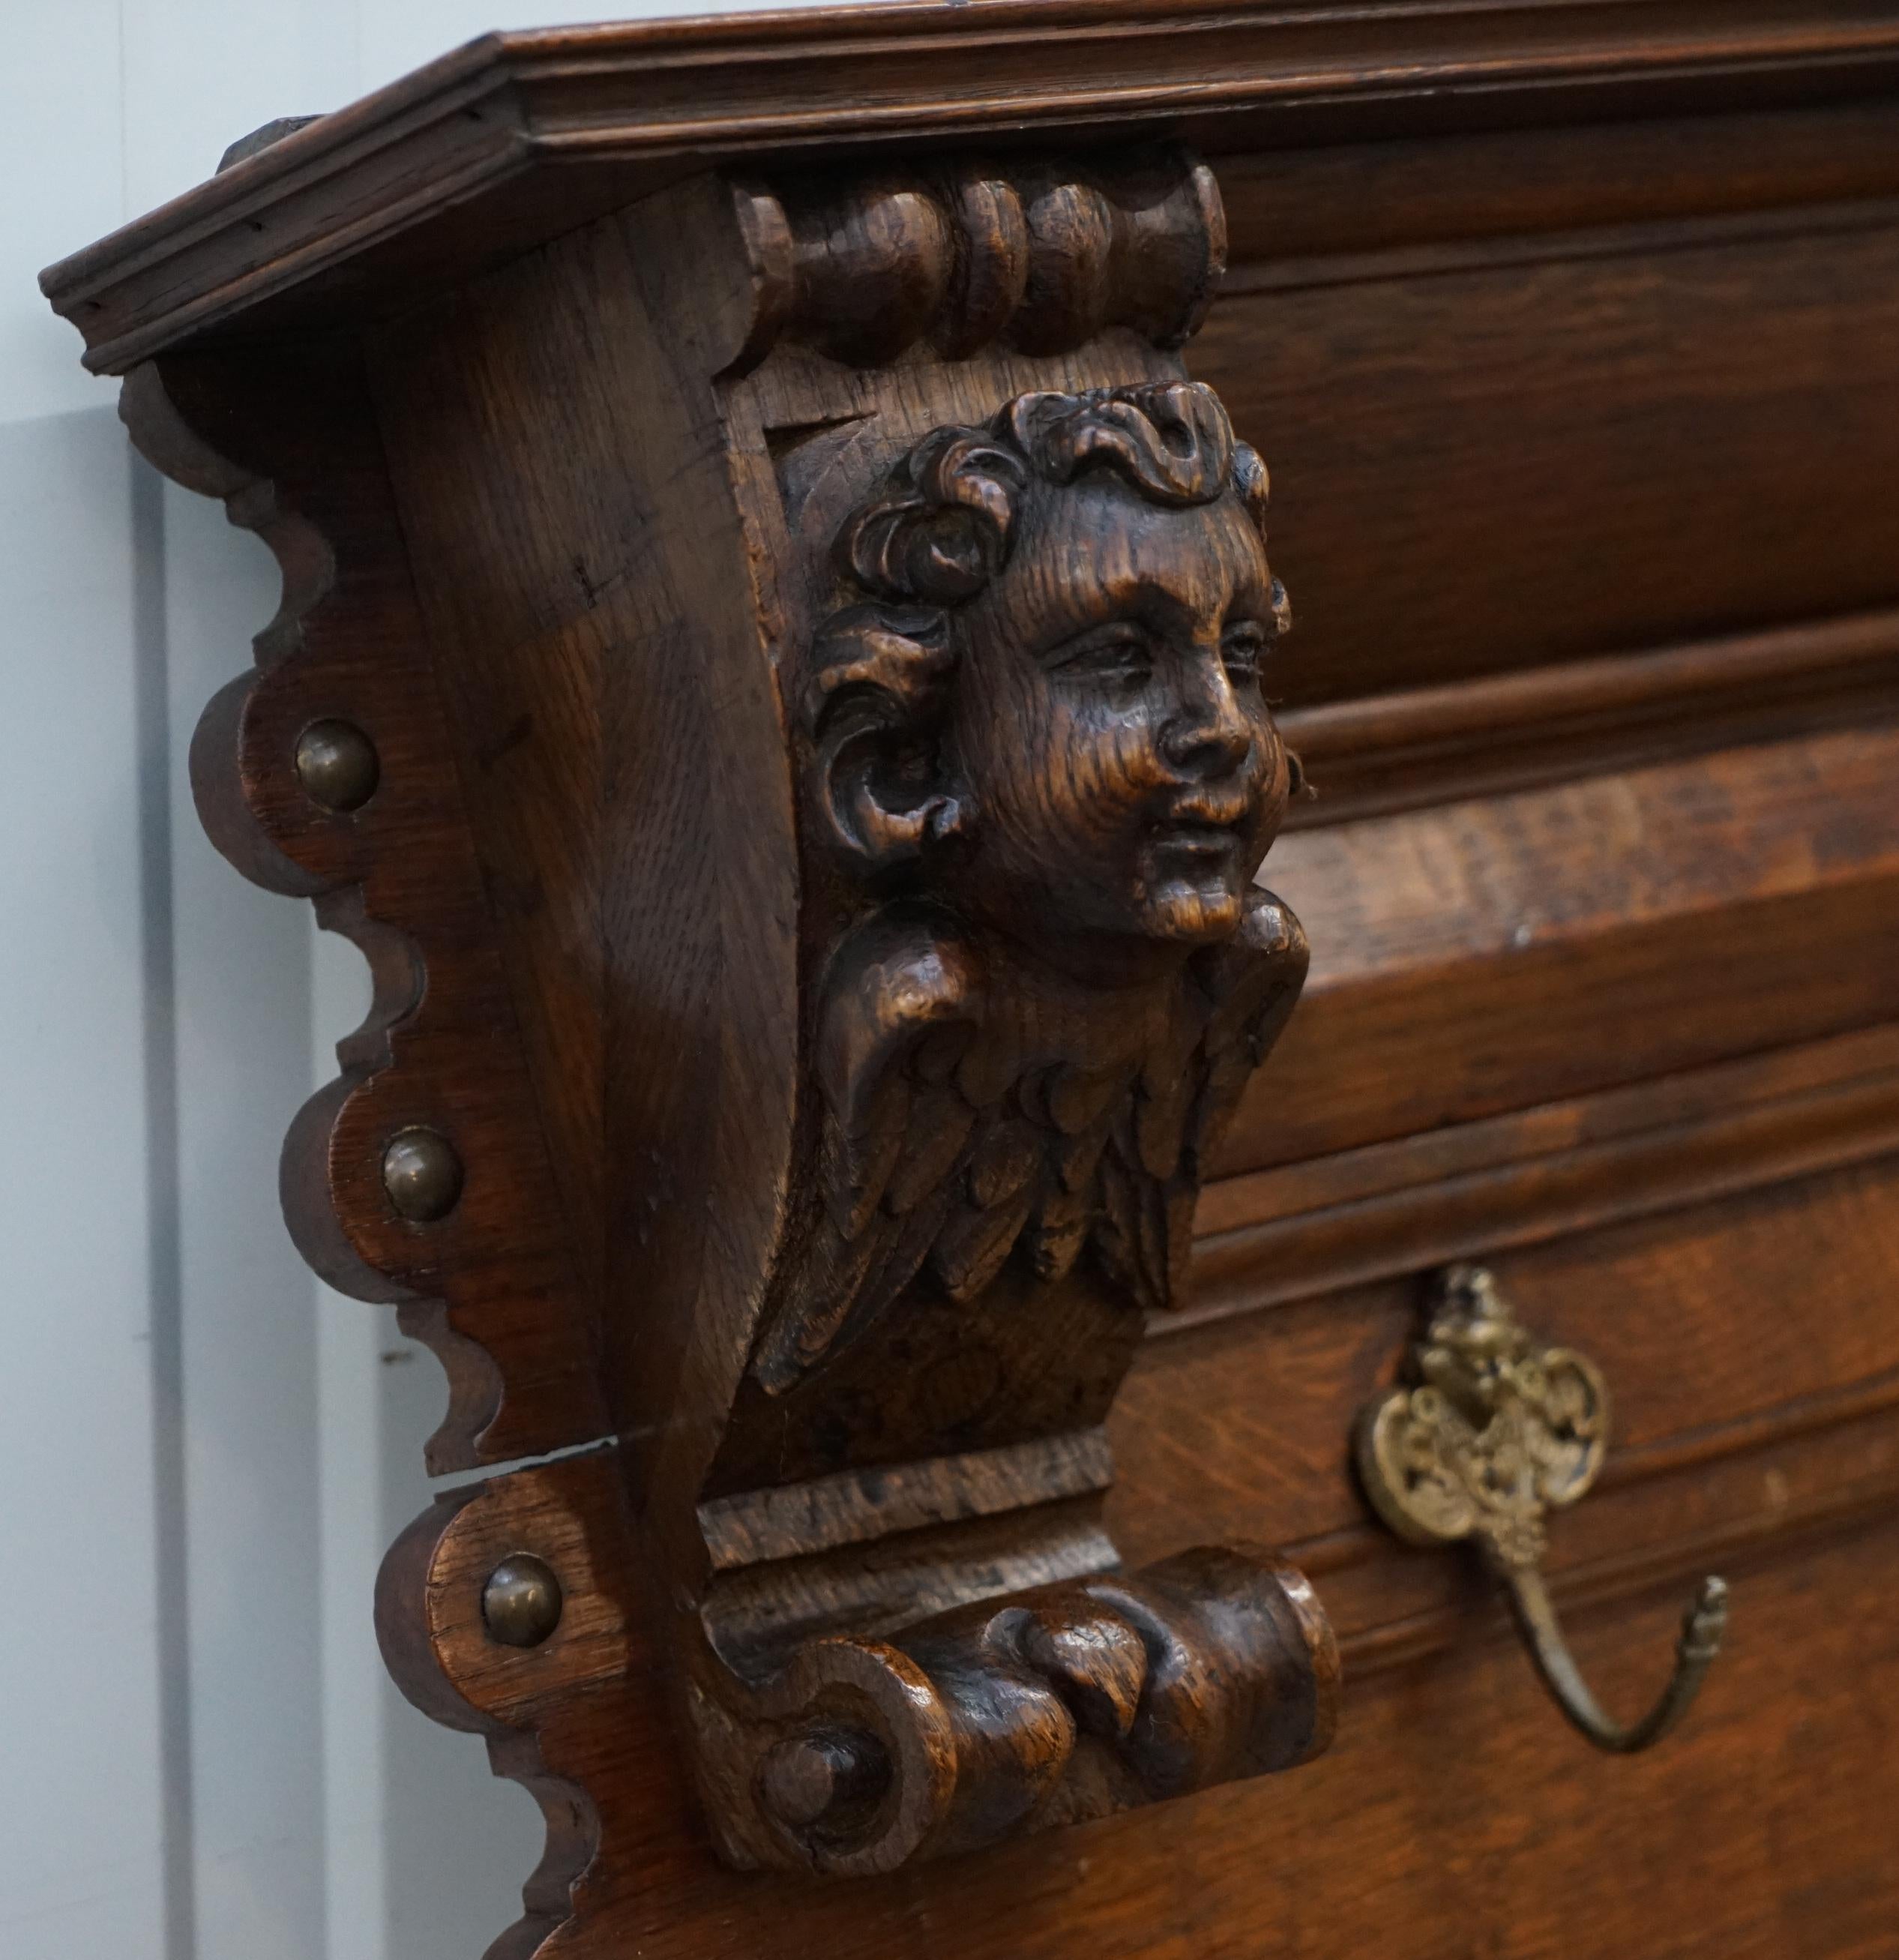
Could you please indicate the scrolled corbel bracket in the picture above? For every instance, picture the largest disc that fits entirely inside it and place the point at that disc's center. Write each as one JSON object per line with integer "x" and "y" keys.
{"x": 1046, "y": 1707}
{"x": 775, "y": 676}
{"x": 1020, "y": 610}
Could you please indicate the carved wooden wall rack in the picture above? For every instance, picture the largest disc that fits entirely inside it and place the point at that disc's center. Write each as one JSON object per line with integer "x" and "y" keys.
{"x": 773, "y": 673}
{"x": 773, "y": 680}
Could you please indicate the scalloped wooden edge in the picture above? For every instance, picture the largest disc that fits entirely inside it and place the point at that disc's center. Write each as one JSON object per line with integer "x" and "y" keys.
{"x": 552, "y": 1715}
{"x": 491, "y": 1290}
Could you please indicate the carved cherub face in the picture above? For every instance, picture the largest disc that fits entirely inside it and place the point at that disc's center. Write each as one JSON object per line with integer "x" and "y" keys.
{"x": 1108, "y": 724}
{"x": 1067, "y": 736}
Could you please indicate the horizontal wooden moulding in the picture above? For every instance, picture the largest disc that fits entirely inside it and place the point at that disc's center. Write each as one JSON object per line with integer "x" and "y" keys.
{"x": 1705, "y": 908}
{"x": 547, "y": 129}
{"x": 1536, "y": 1174}
{"x": 785, "y": 1521}
{"x": 1509, "y": 731}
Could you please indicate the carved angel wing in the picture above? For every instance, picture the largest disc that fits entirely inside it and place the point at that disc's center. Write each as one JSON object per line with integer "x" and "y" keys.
{"x": 1159, "y": 1143}
{"x": 942, "y": 1150}
{"x": 903, "y": 1006}
{"x": 939, "y": 1152}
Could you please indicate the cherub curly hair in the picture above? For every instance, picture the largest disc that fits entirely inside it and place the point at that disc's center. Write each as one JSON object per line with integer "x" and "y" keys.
{"x": 937, "y": 531}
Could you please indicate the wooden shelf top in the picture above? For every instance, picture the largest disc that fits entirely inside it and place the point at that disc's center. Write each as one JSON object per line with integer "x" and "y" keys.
{"x": 517, "y": 137}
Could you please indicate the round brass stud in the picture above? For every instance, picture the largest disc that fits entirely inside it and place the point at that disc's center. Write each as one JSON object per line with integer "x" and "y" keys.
{"x": 521, "y": 1602}
{"x": 422, "y": 1175}
{"x": 337, "y": 765}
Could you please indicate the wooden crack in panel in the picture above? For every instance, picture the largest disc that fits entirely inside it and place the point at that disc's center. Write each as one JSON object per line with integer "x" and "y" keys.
{"x": 584, "y": 1711}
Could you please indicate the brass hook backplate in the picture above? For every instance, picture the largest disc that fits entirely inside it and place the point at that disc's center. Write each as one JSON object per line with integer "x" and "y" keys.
{"x": 1494, "y": 1431}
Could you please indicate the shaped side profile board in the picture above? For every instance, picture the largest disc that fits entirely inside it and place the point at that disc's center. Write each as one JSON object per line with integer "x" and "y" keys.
{"x": 328, "y": 773}
{"x": 774, "y": 679}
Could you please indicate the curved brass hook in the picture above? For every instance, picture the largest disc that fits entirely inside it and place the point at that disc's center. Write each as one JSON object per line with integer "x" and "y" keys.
{"x": 1703, "y": 1628}
{"x": 1494, "y": 1431}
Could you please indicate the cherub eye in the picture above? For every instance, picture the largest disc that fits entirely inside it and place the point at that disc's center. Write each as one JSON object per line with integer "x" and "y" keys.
{"x": 1243, "y": 647}
{"x": 1119, "y": 651}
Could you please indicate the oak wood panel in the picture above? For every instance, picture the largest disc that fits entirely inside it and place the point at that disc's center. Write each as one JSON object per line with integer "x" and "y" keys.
{"x": 1637, "y": 1003}
{"x": 1775, "y": 1081}
{"x": 1700, "y": 1318}
{"x": 1369, "y": 754}
{"x": 529, "y": 579}
{"x": 1457, "y": 1817}
{"x": 492, "y": 1287}
{"x": 1486, "y": 470}
{"x": 1290, "y": 212}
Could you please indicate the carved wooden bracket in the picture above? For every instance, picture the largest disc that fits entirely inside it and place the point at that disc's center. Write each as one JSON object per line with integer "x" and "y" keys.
{"x": 773, "y": 681}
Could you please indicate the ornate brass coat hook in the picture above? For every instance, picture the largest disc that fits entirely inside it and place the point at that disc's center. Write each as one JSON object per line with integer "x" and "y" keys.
{"x": 1495, "y": 1431}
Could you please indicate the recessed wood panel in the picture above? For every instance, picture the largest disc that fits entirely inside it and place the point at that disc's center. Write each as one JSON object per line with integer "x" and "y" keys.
{"x": 1301, "y": 208}
{"x": 1499, "y": 465}
{"x": 1494, "y": 956}
{"x": 1700, "y": 1321}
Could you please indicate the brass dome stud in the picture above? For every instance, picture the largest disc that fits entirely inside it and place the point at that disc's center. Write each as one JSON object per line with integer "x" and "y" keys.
{"x": 522, "y": 1602}
{"x": 422, "y": 1175}
{"x": 337, "y": 765}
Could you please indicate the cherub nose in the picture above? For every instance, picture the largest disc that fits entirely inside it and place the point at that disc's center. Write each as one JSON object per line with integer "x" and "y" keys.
{"x": 1207, "y": 733}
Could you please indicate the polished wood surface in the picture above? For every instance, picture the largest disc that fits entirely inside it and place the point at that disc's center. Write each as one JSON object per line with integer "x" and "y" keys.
{"x": 517, "y": 137}
{"x": 1568, "y": 332}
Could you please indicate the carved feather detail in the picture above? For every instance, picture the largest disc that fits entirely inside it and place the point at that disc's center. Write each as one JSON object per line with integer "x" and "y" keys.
{"x": 945, "y": 1148}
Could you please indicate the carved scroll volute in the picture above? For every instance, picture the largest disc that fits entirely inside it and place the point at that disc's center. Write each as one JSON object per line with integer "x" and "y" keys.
{"x": 1006, "y": 566}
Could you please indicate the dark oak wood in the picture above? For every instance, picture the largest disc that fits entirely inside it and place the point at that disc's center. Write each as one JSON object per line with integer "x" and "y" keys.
{"x": 1582, "y": 443}
{"x": 1442, "y": 939}
{"x": 809, "y": 1065}
{"x": 1737, "y": 1451}
{"x": 492, "y": 1290}
{"x": 1368, "y": 754}
{"x": 517, "y": 137}
{"x": 878, "y": 1124}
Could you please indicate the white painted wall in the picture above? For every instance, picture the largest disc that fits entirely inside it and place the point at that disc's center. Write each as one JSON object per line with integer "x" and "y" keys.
{"x": 201, "y": 1459}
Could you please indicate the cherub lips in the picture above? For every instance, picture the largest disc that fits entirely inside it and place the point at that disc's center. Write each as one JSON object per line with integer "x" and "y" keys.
{"x": 1205, "y": 828}
{"x": 1204, "y": 822}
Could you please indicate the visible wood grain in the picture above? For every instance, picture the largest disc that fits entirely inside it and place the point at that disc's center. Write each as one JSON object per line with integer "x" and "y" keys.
{"x": 1372, "y": 754}
{"x": 1545, "y": 188}
{"x": 1740, "y": 1448}
{"x": 1426, "y": 1200}
{"x": 1774, "y": 1851}
{"x": 1703, "y": 908}
{"x": 786, "y": 1521}
{"x": 580, "y": 436}
{"x": 1701, "y": 1319}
